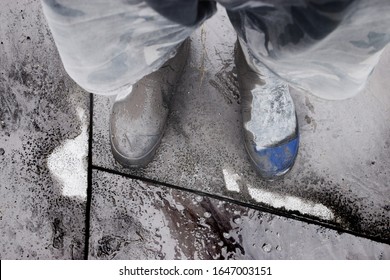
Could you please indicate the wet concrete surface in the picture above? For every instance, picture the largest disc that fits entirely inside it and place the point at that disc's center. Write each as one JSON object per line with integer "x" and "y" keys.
{"x": 131, "y": 219}
{"x": 41, "y": 112}
{"x": 342, "y": 168}
{"x": 341, "y": 176}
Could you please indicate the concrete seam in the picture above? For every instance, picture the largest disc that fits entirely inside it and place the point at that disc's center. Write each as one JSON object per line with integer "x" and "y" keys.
{"x": 89, "y": 181}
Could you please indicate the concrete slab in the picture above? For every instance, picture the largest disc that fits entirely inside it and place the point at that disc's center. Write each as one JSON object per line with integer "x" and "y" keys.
{"x": 341, "y": 176}
{"x": 131, "y": 219}
{"x": 44, "y": 119}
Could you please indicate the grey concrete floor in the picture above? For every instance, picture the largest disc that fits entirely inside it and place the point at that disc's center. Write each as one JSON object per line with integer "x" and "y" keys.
{"x": 62, "y": 195}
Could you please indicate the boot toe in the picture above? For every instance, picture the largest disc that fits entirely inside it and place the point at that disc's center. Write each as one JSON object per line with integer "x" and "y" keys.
{"x": 274, "y": 162}
{"x": 134, "y": 150}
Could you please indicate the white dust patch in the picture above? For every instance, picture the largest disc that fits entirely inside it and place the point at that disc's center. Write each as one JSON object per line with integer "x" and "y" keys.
{"x": 231, "y": 180}
{"x": 291, "y": 203}
{"x": 68, "y": 162}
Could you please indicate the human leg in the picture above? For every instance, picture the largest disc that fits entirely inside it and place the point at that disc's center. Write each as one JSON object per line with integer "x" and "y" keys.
{"x": 138, "y": 118}
{"x": 127, "y": 49}
{"x": 107, "y": 46}
{"x": 269, "y": 121}
{"x": 320, "y": 46}
{"x": 325, "y": 47}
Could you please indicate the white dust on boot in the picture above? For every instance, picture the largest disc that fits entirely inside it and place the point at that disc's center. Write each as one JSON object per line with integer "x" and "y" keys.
{"x": 272, "y": 108}
{"x": 272, "y": 113}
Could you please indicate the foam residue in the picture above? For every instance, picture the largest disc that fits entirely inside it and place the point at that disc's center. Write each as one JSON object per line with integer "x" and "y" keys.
{"x": 68, "y": 162}
{"x": 291, "y": 203}
{"x": 231, "y": 180}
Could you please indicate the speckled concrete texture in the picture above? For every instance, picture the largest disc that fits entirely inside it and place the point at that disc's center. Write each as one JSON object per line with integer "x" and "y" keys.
{"x": 344, "y": 159}
{"x": 41, "y": 112}
{"x": 131, "y": 219}
{"x": 206, "y": 201}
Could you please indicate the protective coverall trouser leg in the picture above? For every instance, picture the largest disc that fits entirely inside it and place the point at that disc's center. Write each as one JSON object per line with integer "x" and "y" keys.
{"x": 327, "y": 47}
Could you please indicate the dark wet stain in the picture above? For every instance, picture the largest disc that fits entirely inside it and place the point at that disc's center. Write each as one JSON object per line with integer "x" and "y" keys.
{"x": 309, "y": 105}
{"x": 58, "y": 234}
{"x": 214, "y": 229}
{"x": 10, "y": 110}
{"x": 311, "y": 122}
{"x": 75, "y": 249}
{"x": 308, "y": 119}
{"x": 226, "y": 83}
{"x": 108, "y": 245}
{"x": 221, "y": 225}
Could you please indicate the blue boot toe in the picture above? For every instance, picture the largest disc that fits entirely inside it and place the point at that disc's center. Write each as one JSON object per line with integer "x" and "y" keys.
{"x": 273, "y": 162}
